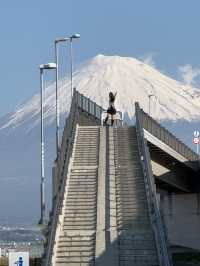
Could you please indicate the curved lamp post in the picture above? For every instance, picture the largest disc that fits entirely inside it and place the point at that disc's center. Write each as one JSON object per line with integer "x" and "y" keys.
{"x": 56, "y": 42}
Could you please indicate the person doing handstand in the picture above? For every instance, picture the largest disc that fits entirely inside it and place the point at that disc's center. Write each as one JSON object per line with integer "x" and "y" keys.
{"x": 111, "y": 109}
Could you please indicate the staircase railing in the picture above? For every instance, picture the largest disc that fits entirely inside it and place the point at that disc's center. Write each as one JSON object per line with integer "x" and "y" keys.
{"x": 153, "y": 205}
{"x": 161, "y": 133}
{"x": 62, "y": 161}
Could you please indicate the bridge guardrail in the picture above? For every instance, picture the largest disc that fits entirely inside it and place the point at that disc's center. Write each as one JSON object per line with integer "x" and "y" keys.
{"x": 153, "y": 127}
{"x": 88, "y": 105}
{"x": 94, "y": 109}
{"x": 153, "y": 205}
{"x": 62, "y": 161}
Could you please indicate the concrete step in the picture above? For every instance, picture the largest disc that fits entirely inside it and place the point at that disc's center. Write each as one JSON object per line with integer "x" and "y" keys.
{"x": 84, "y": 176}
{"x": 78, "y": 227}
{"x": 75, "y": 253}
{"x": 132, "y": 167}
{"x": 82, "y": 186}
{"x": 80, "y": 215}
{"x": 125, "y": 194}
{"x": 79, "y": 223}
{"x": 76, "y": 237}
{"x": 135, "y": 194}
{"x": 70, "y": 259}
{"x": 86, "y": 179}
{"x": 139, "y": 260}
{"x": 74, "y": 264}
{"x": 81, "y": 194}
{"x": 80, "y": 200}
{"x": 85, "y": 158}
{"x": 88, "y": 245}
{"x": 80, "y": 219}
{"x": 83, "y": 145}
{"x": 74, "y": 249}
{"x": 136, "y": 225}
{"x": 80, "y": 205}
{"x": 134, "y": 207}
{"x": 83, "y": 173}
{"x": 133, "y": 214}
{"x": 83, "y": 182}
{"x": 91, "y": 181}
{"x": 88, "y": 163}
{"x": 139, "y": 186}
{"x": 79, "y": 212}
{"x": 80, "y": 197}
{"x": 81, "y": 190}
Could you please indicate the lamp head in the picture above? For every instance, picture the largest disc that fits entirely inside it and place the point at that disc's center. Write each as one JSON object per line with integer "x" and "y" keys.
{"x": 48, "y": 66}
{"x": 75, "y": 36}
{"x": 62, "y": 39}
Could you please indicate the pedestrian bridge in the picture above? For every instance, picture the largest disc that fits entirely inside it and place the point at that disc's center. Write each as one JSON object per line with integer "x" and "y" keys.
{"x": 105, "y": 184}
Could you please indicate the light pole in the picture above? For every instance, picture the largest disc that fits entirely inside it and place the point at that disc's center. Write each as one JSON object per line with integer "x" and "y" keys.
{"x": 42, "y": 199}
{"x": 74, "y": 36}
{"x": 56, "y": 42}
{"x": 150, "y": 95}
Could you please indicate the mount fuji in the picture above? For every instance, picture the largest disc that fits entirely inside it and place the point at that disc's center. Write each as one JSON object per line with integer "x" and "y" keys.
{"x": 173, "y": 104}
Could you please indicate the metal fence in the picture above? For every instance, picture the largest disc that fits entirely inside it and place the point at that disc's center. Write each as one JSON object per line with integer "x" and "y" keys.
{"x": 164, "y": 135}
{"x": 92, "y": 108}
{"x": 152, "y": 201}
{"x": 88, "y": 105}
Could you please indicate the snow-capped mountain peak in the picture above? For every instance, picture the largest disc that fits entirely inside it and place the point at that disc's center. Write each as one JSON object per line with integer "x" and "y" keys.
{"x": 132, "y": 79}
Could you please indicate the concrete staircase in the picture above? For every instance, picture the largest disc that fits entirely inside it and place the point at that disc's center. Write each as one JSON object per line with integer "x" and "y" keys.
{"x": 76, "y": 238}
{"x": 136, "y": 244}
{"x": 105, "y": 217}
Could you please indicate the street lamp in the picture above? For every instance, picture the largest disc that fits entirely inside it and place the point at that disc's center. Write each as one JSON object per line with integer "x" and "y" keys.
{"x": 74, "y": 36}
{"x": 42, "y": 200}
{"x": 56, "y": 42}
{"x": 150, "y": 95}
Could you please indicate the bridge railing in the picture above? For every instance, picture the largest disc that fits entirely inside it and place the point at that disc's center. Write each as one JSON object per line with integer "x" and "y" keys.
{"x": 95, "y": 110}
{"x": 153, "y": 205}
{"x": 88, "y": 105}
{"x": 61, "y": 165}
{"x": 153, "y": 127}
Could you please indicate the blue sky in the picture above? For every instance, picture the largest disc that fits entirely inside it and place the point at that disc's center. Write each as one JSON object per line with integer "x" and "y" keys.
{"x": 164, "y": 32}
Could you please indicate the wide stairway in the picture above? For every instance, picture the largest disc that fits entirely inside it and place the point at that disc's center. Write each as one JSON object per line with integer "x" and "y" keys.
{"x": 105, "y": 218}
{"x": 76, "y": 243}
{"x": 135, "y": 237}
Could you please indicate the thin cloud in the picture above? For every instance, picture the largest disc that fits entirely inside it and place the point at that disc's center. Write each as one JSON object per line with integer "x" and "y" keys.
{"x": 149, "y": 59}
{"x": 189, "y": 74}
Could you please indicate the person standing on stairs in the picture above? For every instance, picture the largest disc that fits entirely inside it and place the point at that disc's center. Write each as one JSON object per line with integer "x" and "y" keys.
{"x": 111, "y": 109}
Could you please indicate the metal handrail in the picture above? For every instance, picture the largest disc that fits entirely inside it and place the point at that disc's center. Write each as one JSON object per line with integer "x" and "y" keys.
{"x": 93, "y": 108}
{"x": 153, "y": 205}
{"x": 152, "y": 126}
{"x": 59, "y": 199}
{"x": 86, "y": 104}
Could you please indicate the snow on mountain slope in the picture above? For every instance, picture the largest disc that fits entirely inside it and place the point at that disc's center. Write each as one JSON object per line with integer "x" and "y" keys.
{"x": 131, "y": 78}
